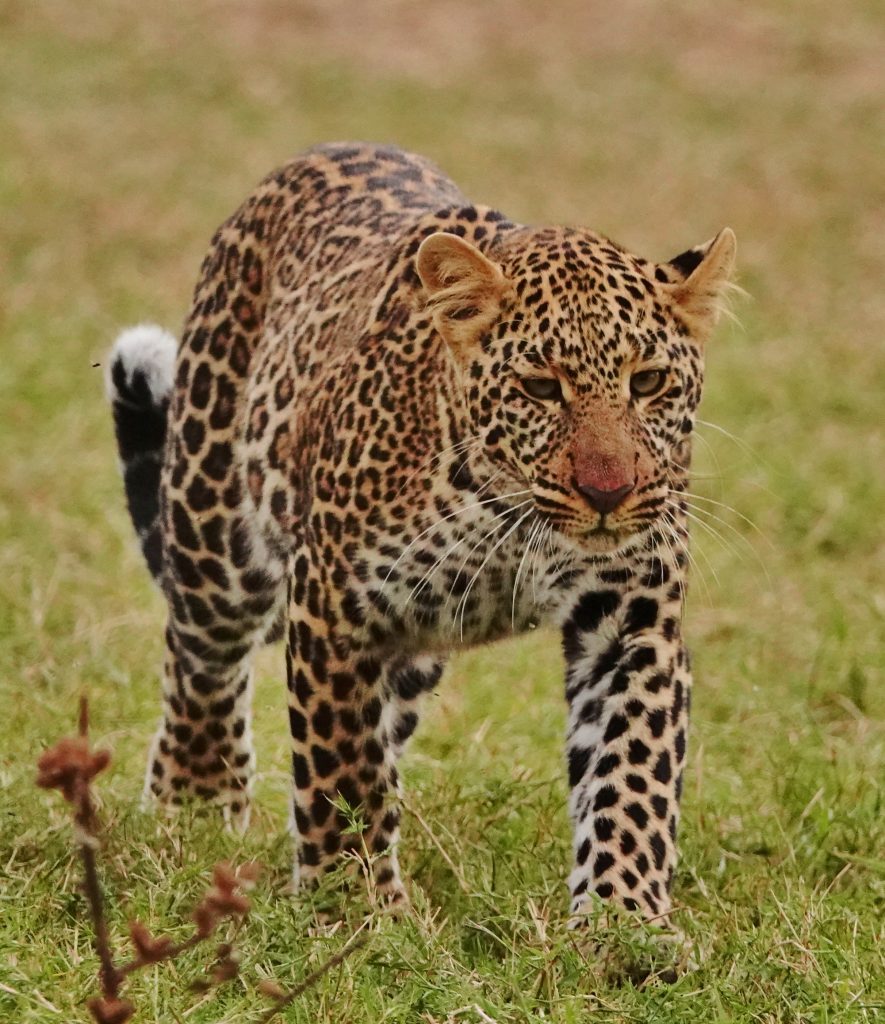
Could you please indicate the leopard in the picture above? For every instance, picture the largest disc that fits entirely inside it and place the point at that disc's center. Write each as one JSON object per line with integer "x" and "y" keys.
{"x": 398, "y": 424}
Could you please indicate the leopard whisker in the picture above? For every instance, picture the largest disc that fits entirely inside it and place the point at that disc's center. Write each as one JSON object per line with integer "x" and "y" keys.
{"x": 691, "y": 512}
{"x": 712, "y": 453}
{"x": 485, "y": 536}
{"x": 536, "y": 525}
{"x": 679, "y": 536}
{"x": 656, "y": 556}
{"x": 696, "y": 514}
{"x": 429, "y": 463}
{"x": 713, "y": 533}
{"x": 746, "y": 448}
{"x": 727, "y": 508}
{"x": 451, "y": 515}
{"x": 694, "y": 476}
{"x": 563, "y": 558}
{"x": 425, "y": 579}
{"x": 475, "y": 577}
{"x": 485, "y": 486}
{"x": 542, "y": 537}
{"x": 533, "y": 559}
{"x": 667, "y": 541}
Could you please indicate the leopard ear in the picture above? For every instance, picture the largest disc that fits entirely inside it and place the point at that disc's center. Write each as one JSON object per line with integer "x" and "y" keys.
{"x": 465, "y": 290}
{"x": 700, "y": 279}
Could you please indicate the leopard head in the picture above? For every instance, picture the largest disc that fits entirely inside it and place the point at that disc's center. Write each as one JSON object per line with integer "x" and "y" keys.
{"x": 581, "y": 367}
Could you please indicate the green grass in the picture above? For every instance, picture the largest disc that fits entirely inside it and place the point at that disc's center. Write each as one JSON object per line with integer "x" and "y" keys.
{"x": 129, "y": 131}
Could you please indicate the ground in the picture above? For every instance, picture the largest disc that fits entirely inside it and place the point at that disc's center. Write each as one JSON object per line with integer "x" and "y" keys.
{"x": 129, "y": 131}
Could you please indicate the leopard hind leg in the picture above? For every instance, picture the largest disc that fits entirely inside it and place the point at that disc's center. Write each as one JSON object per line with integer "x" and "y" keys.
{"x": 220, "y": 611}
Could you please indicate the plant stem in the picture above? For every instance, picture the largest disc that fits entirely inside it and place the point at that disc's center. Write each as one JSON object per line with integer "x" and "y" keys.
{"x": 110, "y": 976}
{"x": 84, "y": 818}
{"x": 352, "y": 944}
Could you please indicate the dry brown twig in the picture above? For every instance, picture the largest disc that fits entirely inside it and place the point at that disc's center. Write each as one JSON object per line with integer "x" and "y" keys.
{"x": 282, "y": 999}
{"x": 70, "y": 767}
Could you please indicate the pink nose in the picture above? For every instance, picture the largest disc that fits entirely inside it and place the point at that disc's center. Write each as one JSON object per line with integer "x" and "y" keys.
{"x": 604, "y": 501}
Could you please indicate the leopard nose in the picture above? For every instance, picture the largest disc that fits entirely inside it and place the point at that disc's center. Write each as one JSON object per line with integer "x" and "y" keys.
{"x": 604, "y": 501}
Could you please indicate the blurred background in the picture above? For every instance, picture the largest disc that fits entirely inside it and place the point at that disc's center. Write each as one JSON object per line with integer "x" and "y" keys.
{"x": 130, "y": 130}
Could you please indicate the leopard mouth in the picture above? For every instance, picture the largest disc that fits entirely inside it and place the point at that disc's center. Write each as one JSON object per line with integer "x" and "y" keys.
{"x": 604, "y": 538}
{"x": 602, "y": 530}
{"x": 601, "y": 537}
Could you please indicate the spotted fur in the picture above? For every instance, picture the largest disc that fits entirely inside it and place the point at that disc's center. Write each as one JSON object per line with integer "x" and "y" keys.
{"x": 400, "y": 423}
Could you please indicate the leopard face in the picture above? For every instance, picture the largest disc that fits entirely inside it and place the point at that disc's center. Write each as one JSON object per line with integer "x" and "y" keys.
{"x": 581, "y": 367}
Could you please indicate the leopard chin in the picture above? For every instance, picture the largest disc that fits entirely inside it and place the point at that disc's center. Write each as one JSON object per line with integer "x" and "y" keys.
{"x": 612, "y": 544}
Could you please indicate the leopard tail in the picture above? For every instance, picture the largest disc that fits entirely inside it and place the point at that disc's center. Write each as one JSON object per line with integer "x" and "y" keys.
{"x": 139, "y": 379}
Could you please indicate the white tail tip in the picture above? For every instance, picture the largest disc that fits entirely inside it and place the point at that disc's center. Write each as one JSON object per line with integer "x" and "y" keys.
{"x": 146, "y": 351}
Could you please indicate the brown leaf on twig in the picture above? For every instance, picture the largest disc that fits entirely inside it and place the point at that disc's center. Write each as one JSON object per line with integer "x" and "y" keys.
{"x": 224, "y": 896}
{"x": 222, "y": 900}
{"x": 225, "y": 970}
{"x": 111, "y": 1010}
{"x": 70, "y": 765}
{"x": 226, "y": 879}
{"x": 272, "y": 989}
{"x": 205, "y": 919}
{"x": 148, "y": 950}
{"x": 226, "y": 904}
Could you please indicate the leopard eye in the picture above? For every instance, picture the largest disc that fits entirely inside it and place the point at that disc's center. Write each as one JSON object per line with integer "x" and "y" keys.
{"x": 545, "y": 389}
{"x": 646, "y": 383}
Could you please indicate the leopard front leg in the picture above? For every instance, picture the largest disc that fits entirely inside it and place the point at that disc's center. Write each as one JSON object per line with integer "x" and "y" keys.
{"x": 628, "y": 688}
{"x": 350, "y": 712}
